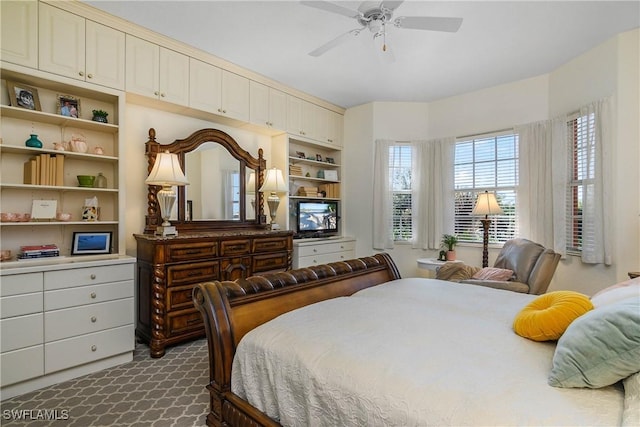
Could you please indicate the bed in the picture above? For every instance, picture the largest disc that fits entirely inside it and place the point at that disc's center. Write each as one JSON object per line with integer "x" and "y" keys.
{"x": 370, "y": 348}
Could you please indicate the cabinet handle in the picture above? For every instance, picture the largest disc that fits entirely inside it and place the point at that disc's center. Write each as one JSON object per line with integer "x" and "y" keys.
{"x": 341, "y": 247}
{"x": 93, "y": 277}
{"x": 224, "y": 111}
{"x": 90, "y": 75}
{"x": 315, "y": 250}
{"x": 156, "y": 93}
{"x": 93, "y": 295}
{"x": 94, "y": 319}
{"x": 80, "y": 73}
{"x": 330, "y": 140}
{"x": 219, "y": 110}
{"x": 162, "y": 95}
{"x": 94, "y": 348}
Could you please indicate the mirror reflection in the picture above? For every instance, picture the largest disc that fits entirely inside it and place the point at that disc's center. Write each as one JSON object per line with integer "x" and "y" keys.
{"x": 214, "y": 190}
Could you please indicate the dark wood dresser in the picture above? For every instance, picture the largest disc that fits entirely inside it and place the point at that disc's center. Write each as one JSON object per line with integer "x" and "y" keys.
{"x": 169, "y": 267}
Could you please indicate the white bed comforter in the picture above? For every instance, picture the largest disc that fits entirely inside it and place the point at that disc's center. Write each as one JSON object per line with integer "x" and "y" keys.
{"x": 412, "y": 352}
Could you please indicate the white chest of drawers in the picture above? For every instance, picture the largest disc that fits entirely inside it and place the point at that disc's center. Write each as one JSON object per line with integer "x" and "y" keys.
{"x": 308, "y": 252}
{"x": 65, "y": 320}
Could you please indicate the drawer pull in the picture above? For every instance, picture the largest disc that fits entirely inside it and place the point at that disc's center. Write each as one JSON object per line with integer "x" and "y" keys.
{"x": 93, "y": 295}
{"x": 93, "y": 277}
{"x": 194, "y": 273}
{"x": 315, "y": 250}
{"x": 94, "y": 348}
{"x": 94, "y": 319}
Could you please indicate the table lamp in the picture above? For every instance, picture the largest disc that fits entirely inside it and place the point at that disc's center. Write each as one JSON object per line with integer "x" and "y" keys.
{"x": 486, "y": 205}
{"x": 274, "y": 183}
{"x": 166, "y": 172}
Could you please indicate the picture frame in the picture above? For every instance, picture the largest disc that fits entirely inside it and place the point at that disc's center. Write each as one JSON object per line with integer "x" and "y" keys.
{"x": 319, "y": 157}
{"x": 23, "y": 96}
{"x": 68, "y": 105}
{"x": 329, "y": 160}
{"x": 91, "y": 242}
{"x": 300, "y": 154}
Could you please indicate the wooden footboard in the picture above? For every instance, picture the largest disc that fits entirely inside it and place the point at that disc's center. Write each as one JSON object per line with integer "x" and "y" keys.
{"x": 231, "y": 309}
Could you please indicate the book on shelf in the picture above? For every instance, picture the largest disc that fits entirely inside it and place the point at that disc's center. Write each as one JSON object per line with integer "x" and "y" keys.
{"x": 308, "y": 191}
{"x": 295, "y": 170}
{"x": 38, "y": 251}
{"x": 44, "y": 169}
{"x": 331, "y": 190}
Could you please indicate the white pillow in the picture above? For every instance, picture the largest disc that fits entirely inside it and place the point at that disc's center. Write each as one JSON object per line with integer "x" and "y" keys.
{"x": 629, "y": 289}
{"x": 631, "y": 414}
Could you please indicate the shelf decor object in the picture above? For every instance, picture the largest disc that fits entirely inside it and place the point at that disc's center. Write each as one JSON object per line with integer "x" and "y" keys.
{"x": 166, "y": 173}
{"x": 486, "y": 205}
{"x": 274, "y": 183}
{"x": 33, "y": 141}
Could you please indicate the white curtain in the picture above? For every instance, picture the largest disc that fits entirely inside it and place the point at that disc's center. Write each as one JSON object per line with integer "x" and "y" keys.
{"x": 382, "y": 197}
{"x": 432, "y": 191}
{"x": 535, "y": 188}
{"x": 596, "y": 224}
{"x": 560, "y": 181}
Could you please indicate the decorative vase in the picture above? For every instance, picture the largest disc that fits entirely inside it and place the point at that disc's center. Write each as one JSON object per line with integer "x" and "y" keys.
{"x": 101, "y": 119}
{"x": 101, "y": 181}
{"x": 451, "y": 255}
{"x": 33, "y": 141}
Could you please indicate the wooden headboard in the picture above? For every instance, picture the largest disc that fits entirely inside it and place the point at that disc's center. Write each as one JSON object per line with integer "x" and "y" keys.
{"x": 231, "y": 309}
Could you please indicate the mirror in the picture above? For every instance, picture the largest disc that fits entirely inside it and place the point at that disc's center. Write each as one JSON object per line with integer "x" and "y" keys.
{"x": 222, "y": 182}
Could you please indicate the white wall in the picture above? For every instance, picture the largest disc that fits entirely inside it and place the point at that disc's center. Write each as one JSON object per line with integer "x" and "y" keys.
{"x": 169, "y": 127}
{"x": 611, "y": 68}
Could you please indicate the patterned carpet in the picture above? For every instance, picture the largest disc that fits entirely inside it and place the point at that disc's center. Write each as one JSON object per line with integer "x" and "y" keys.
{"x": 165, "y": 392}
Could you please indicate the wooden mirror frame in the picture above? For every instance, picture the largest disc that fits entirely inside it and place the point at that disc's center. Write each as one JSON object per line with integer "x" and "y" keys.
{"x": 183, "y": 146}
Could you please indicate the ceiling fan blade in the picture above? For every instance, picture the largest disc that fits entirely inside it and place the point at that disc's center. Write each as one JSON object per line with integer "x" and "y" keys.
{"x": 335, "y": 42}
{"x": 332, "y": 7}
{"x": 391, "y": 5}
{"x": 431, "y": 23}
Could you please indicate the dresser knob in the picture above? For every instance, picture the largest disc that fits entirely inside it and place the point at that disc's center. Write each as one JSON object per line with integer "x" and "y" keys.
{"x": 90, "y": 76}
{"x": 94, "y": 348}
{"x": 315, "y": 250}
{"x": 162, "y": 95}
{"x": 93, "y": 277}
{"x": 94, "y": 319}
{"x": 93, "y": 295}
{"x": 156, "y": 93}
{"x": 80, "y": 73}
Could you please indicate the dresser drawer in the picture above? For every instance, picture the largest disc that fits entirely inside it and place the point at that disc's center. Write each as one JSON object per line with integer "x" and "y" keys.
{"x": 185, "y": 274}
{"x": 23, "y": 364}
{"x": 87, "y": 276}
{"x": 15, "y": 284}
{"x": 235, "y": 247}
{"x": 183, "y": 322}
{"x": 180, "y": 297}
{"x": 86, "y": 319}
{"x": 90, "y": 294}
{"x": 19, "y": 305}
{"x": 306, "y": 261}
{"x": 270, "y": 244}
{"x": 192, "y": 251}
{"x": 87, "y": 348}
{"x": 326, "y": 248}
{"x": 269, "y": 262}
{"x": 22, "y": 331}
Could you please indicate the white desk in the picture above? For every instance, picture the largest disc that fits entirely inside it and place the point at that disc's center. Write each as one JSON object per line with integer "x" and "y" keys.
{"x": 432, "y": 263}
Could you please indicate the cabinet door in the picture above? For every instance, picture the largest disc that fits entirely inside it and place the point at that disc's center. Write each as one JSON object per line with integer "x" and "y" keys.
{"x": 19, "y": 32}
{"x": 259, "y": 100}
{"x": 294, "y": 115}
{"x": 143, "y": 65}
{"x": 61, "y": 42}
{"x": 205, "y": 86}
{"x": 235, "y": 96}
{"x": 309, "y": 120}
{"x": 105, "y": 55}
{"x": 334, "y": 130}
{"x": 321, "y": 123}
{"x": 174, "y": 77}
{"x": 277, "y": 109}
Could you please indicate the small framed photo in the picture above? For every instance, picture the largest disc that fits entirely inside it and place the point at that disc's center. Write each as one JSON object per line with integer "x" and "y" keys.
{"x": 319, "y": 157}
{"x": 23, "y": 96}
{"x": 300, "y": 154}
{"x": 329, "y": 160}
{"x": 68, "y": 106}
{"x": 91, "y": 243}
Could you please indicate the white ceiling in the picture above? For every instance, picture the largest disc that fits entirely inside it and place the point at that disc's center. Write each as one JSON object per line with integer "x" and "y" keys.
{"x": 498, "y": 42}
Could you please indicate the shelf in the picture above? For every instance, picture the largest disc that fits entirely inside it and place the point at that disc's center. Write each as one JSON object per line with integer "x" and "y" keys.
{"x": 56, "y": 223}
{"x": 4, "y": 148}
{"x": 294, "y": 160}
{"x": 56, "y": 119}
{"x": 57, "y": 188}
{"x": 308, "y": 178}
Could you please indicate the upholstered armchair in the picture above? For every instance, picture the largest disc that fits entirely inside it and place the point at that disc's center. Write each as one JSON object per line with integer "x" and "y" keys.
{"x": 532, "y": 264}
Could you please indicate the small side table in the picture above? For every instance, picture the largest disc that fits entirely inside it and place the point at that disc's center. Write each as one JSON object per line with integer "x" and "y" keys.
{"x": 432, "y": 263}
{"x": 633, "y": 274}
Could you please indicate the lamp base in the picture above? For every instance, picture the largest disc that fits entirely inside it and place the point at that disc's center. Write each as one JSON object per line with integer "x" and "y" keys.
{"x": 166, "y": 230}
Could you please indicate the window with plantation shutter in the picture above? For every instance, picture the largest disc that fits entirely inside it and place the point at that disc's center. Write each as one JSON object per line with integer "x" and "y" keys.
{"x": 400, "y": 160}
{"x": 581, "y": 167}
{"x": 486, "y": 163}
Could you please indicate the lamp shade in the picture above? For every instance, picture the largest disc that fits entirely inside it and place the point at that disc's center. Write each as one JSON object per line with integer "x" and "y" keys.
{"x": 166, "y": 171}
{"x": 274, "y": 182}
{"x": 486, "y": 204}
{"x": 251, "y": 183}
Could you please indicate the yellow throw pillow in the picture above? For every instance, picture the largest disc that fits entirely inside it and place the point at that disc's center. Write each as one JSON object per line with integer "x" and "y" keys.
{"x": 548, "y": 316}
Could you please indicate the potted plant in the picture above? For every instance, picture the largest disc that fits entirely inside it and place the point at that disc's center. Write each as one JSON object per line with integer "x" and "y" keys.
{"x": 450, "y": 241}
{"x": 100, "y": 116}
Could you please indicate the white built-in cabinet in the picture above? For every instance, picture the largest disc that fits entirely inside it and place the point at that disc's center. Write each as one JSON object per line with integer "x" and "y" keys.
{"x": 72, "y": 46}
{"x": 268, "y": 106}
{"x": 19, "y": 32}
{"x": 308, "y": 252}
{"x": 156, "y": 72}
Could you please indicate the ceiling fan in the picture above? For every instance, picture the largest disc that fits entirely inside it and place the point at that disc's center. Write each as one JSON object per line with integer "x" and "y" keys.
{"x": 375, "y": 16}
